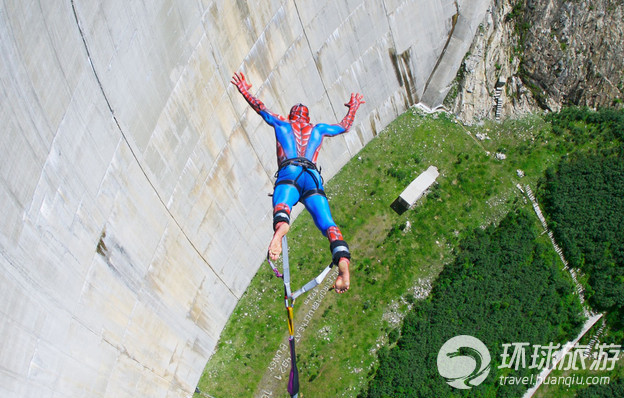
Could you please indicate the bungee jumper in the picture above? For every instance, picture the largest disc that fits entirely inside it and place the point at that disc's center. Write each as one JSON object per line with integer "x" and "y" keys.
{"x": 298, "y": 143}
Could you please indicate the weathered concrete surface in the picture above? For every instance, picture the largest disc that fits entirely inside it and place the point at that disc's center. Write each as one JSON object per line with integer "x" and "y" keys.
{"x": 133, "y": 176}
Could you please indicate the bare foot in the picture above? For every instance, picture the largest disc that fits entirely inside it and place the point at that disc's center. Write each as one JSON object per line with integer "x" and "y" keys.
{"x": 275, "y": 247}
{"x": 342, "y": 281}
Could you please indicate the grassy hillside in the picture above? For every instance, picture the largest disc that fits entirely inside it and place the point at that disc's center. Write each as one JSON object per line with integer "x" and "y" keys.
{"x": 395, "y": 258}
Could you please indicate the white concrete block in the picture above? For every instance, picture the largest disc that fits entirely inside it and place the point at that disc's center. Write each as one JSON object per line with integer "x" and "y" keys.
{"x": 415, "y": 190}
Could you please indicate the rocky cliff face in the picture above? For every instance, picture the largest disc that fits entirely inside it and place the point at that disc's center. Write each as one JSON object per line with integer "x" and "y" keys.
{"x": 532, "y": 54}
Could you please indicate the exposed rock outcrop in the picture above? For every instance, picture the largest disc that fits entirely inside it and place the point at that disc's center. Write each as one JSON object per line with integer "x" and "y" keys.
{"x": 543, "y": 54}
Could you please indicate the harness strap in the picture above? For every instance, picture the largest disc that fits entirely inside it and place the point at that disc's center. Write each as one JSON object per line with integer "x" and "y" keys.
{"x": 339, "y": 249}
{"x": 287, "y": 182}
{"x": 281, "y": 213}
{"x": 303, "y": 162}
{"x": 288, "y": 293}
{"x": 311, "y": 192}
{"x": 286, "y": 268}
{"x": 306, "y": 165}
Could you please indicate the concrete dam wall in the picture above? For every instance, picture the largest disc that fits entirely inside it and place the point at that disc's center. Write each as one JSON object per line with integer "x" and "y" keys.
{"x": 134, "y": 177}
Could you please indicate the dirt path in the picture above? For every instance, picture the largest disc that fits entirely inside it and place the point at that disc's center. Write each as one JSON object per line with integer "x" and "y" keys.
{"x": 592, "y": 317}
{"x": 559, "y": 355}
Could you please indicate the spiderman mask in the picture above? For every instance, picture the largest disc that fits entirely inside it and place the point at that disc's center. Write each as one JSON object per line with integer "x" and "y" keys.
{"x": 299, "y": 113}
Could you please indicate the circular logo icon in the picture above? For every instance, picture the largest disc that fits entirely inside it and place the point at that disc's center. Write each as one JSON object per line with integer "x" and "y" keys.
{"x": 464, "y": 361}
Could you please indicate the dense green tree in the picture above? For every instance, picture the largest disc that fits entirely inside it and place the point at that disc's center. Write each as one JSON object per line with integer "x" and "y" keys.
{"x": 504, "y": 286}
{"x": 578, "y": 125}
{"x": 584, "y": 202}
{"x": 615, "y": 389}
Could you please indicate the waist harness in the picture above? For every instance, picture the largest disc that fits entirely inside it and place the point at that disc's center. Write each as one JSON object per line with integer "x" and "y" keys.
{"x": 307, "y": 167}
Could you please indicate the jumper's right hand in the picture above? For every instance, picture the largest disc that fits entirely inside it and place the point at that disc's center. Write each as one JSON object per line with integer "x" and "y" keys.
{"x": 239, "y": 81}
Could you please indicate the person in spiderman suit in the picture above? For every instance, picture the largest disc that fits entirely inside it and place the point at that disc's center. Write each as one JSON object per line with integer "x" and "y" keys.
{"x": 298, "y": 179}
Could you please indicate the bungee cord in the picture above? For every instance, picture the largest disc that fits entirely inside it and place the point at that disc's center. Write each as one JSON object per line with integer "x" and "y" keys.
{"x": 289, "y": 302}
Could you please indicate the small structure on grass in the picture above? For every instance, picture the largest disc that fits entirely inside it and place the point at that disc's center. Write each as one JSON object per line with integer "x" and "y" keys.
{"x": 415, "y": 190}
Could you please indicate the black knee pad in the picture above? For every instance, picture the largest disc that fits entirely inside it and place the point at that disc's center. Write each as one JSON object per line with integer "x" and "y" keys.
{"x": 339, "y": 249}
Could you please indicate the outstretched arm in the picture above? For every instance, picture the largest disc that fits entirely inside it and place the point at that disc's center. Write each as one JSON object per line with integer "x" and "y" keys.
{"x": 346, "y": 123}
{"x": 353, "y": 105}
{"x": 243, "y": 87}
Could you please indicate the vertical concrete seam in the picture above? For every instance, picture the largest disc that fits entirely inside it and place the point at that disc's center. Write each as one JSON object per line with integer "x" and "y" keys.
{"x": 97, "y": 77}
{"x": 441, "y": 57}
{"x": 383, "y": 4}
{"x": 401, "y": 64}
{"x": 125, "y": 139}
{"x": 305, "y": 35}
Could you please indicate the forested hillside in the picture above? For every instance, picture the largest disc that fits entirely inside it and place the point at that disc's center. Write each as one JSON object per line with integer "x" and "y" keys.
{"x": 611, "y": 390}
{"x": 583, "y": 197}
{"x": 504, "y": 286}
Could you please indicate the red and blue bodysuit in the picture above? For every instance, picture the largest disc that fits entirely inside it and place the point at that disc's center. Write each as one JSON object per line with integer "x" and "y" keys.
{"x": 298, "y": 143}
